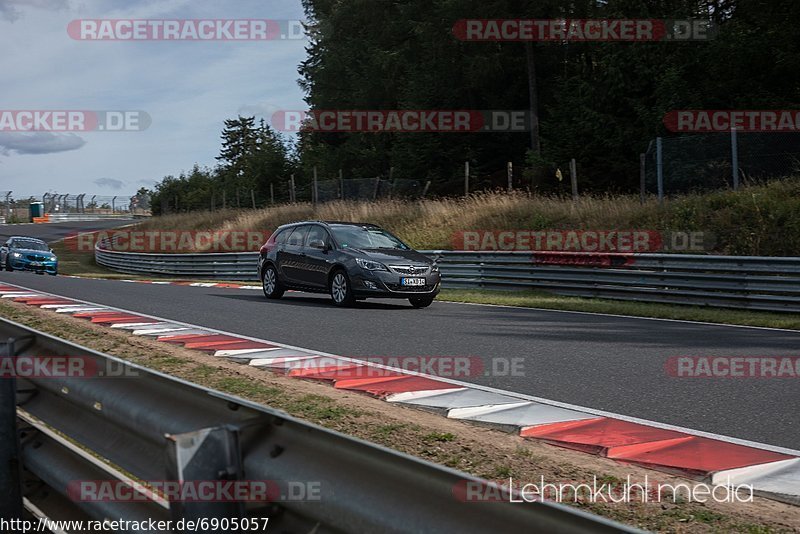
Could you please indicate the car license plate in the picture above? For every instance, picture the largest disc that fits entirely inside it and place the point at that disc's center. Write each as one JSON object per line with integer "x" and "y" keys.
{"x": 412, "y": 281}
{"x": 36, "y": 264}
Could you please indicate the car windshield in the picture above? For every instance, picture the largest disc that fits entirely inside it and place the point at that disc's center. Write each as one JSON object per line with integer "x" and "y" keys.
{"x": 366, "y": 237}
{"x": 30, "y": 244}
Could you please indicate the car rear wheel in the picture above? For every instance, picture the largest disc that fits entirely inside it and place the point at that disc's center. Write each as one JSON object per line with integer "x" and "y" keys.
{"x": 341, "y": 292}
{"x": 273, "y": 289}
{"x": 420, "y": 302}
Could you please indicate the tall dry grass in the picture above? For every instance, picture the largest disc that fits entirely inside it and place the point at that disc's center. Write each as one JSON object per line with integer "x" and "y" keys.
{"x": 761, "y": 220}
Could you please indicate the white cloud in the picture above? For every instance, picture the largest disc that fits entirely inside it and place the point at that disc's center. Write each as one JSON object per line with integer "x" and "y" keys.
{"x": 38, "y": 143}
{"x": 110, "y": 183}
{"x": 9, "y": 9}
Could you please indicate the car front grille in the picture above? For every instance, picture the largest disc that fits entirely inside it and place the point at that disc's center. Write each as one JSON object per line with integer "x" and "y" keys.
{"x": 409, "y": 289}
{"x": 412, "y": 270}
{"x": 35, "y": 257}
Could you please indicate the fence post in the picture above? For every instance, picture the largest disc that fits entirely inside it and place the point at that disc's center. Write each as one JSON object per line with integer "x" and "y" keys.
{"x": 272, "y": 193}
{"x": 253, "y": 196}
{"x": 341, "y": 185}
{"x": 377, "y": 185}
{"x": 660, "y": 170}
{"x": 11, "y": 503}
{"x": 315, "y": 192}
{"x": 93, "y": 204}
{"x": 8, "y": 206}
{"x": 735, "y": 159}
{"x": 114, "y": 204}
{"x": 425, "y": 190}
{"x": 466, "y": 178}
{"x": 510, "y": 173}
{"x": 573, "y": 178}
{"x": 292, "y": 194}
{"x": 642, "y": 160}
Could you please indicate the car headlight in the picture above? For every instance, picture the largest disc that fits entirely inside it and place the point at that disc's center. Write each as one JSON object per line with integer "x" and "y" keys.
{"x": 370, "y": 265}
{"x": 52, "y": 258}
{"x": 16, "y": 254}
{"x": 434, "y": 268}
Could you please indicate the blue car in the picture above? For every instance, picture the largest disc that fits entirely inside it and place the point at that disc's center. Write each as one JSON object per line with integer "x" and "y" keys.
{"x": 28, "y": 254}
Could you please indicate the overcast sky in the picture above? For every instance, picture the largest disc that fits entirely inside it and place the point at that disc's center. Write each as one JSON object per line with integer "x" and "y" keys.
{"x": 187, "y": 88}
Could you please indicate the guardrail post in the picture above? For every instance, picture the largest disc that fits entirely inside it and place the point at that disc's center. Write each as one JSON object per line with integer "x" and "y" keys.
{"x": 208, "y": 455}
{"x": 10, "y": 489}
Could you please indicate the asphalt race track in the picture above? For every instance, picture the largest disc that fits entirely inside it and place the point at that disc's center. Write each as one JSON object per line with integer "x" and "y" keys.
{"x": 54, "y": 231}
{"x": 602, "y": 362}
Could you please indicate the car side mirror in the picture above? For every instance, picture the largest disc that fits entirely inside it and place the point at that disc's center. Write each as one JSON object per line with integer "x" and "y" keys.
{"x": 317, "y": 243}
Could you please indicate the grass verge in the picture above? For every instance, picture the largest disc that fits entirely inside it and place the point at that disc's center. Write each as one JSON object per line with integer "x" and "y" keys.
{"x": 549, "y": 301}
{"x": 476, "y": 450}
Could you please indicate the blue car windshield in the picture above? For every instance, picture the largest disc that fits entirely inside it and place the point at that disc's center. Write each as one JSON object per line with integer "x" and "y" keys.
{"x": 366, "y": 237}
{"x": 30, "y": 244}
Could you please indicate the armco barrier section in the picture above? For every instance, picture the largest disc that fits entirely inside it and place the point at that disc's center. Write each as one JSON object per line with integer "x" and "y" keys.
{"x": 147, "y": 426}
{"x": 66, "y": 217}
{"x": 742, "y": 282}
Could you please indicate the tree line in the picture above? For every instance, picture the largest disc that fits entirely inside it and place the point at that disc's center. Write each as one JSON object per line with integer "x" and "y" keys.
{"x": 597, "y": 102}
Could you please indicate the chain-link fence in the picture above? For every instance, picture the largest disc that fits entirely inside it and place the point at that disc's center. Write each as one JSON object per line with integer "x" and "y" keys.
{"x": 362, "y": 189}
{"x": 704, "y": 162}
{"x": 96, "y": 204}
{"x": 16, "y": 210}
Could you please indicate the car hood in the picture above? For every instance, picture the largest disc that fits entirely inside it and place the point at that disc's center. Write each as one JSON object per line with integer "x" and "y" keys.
{"x": 32, "y": 251}
{"x": 392, "y": 255}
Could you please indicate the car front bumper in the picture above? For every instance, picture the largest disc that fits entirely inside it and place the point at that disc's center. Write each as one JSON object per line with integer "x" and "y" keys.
{"x": 22, "y": 264}
{"x": 387, "y": 284}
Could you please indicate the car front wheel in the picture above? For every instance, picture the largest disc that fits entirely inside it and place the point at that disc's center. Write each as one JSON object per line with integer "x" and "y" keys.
{"x": 341, "y": 292}
{"x": 272, "y": 287}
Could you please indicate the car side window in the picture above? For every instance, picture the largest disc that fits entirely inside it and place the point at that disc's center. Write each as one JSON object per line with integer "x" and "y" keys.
{"x": 317, "y": 233}
{"x": 298, "y": 236}
{"x": 280, "y": 239}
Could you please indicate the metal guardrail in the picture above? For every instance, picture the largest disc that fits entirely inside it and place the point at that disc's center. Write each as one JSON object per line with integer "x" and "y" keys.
{"x": 140, "y": 425}
{"x": 741, "y": 282}
{"x": 65, "y": 217}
